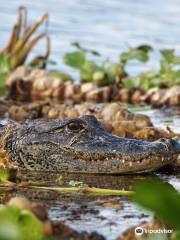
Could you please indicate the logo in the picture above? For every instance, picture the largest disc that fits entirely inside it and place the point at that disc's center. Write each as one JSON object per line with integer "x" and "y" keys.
{"x": 139, "y": 231}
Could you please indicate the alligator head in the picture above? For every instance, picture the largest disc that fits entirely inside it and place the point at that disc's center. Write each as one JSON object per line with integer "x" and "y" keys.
{"x": 83, "y": 145}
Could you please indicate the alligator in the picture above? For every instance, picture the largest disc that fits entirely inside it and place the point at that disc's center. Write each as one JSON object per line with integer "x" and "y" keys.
{"x": 82, "y": 145}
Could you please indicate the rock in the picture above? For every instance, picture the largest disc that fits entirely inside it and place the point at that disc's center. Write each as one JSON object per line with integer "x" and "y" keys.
{"x": 87, "y": 87}
{"x": 124, "y": 95}
{"x": 94, "y": 95}
{"x": 110, "y": 110}
{"x": 26, "y": 83}
{"x": 19, "y": 73}
{"x": 159, "y": 97}
{"x": 136, "y": 96}
{"x": 20, "y": 202}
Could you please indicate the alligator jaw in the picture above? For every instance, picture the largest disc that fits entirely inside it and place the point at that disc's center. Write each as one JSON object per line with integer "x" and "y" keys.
{"x": 115, "y": 155}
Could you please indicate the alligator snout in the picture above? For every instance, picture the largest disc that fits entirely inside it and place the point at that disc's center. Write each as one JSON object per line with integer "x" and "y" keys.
{"x": 169, "y": 144}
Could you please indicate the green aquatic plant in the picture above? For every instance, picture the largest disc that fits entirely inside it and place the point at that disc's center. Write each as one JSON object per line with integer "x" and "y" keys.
{"x": 73, "y": 183}
{"x": 18, "y": 224}
{"x": 103, "y": 73}
{"x": 109, "y": 73}
{"x": 4, "y": 71}
{"x": 140, "y": 53}
{"x": 4, "y": 175}
{"x": 21, "y": 41}
{"x": 20, "y": 44}
{"x": 168, "y": 74}
{"x": 61, "y": 75}
{"x": 162, "y": 199}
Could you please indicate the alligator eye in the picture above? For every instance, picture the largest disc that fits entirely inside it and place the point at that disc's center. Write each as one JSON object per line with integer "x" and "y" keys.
{"x": 75, "y": 126}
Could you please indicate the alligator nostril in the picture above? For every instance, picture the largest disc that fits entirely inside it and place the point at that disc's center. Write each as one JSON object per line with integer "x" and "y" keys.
{"x": 163, "y": 140}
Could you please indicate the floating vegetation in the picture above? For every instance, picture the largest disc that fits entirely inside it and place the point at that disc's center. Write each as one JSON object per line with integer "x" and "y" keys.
{"x": 88, "y": 190}
{"x": 108, "y": 72}
{"x": 102, "y": 74}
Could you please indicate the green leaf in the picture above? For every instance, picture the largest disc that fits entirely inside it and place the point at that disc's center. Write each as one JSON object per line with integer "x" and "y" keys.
{"x": 87, "y": 71}
{"x": 176, "y": 60}
{"x": 115, "y": 69}
{"x": 60, "y": 75}
{"x": 9, "y": 231}
{"x": 168, "y": 54}
{"x": 130, "y": 83}
{"x": 4, "y": 63}
{"x": 164, "y": 67}
{"x": 100, "y": 78}
{"x": 156, "y": 196}
{"x": 4, "y": 174}
{"x": 134, "y": 54}
{"x": 145, "y": 48}
{"x": 139, "y": 53}
{"x": 175, "y": 236}
{"x": 28, "y": 226}
{"x": 85, "y": 50}
{"x": 75, "y": 59}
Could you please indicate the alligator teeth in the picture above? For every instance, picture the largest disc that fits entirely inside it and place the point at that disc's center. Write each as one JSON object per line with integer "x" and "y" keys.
{"x": 130, "y": 164}
{"x": 162, "y": 159}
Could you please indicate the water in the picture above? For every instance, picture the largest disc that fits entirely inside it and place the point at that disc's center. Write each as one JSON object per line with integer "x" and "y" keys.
{"x": 107, "y": 26}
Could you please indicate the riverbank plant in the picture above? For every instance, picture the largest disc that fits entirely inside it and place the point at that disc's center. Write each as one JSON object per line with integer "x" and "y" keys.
{"x": 162, "y": 199}
{"x": 20, "y": 44}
